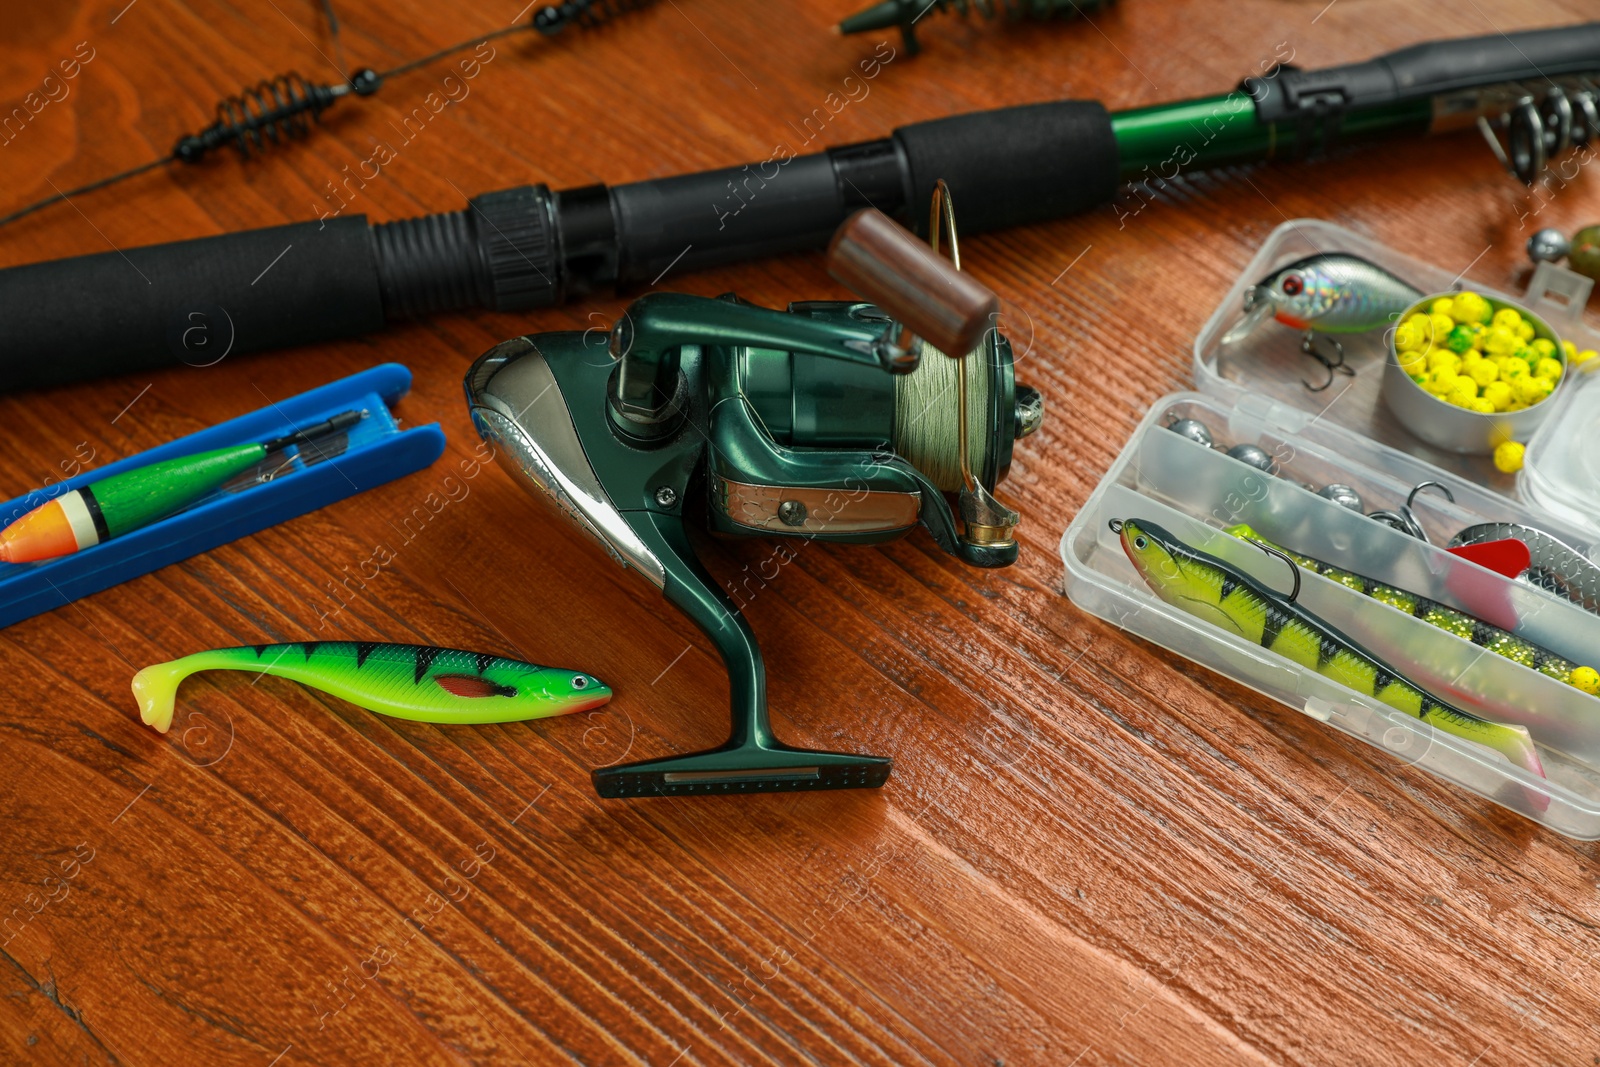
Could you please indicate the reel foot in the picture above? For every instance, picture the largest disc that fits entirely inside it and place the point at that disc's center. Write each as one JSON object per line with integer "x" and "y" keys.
{"x": 749, "y": 768}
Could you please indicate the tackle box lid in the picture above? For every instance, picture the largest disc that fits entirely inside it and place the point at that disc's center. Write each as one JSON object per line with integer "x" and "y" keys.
{"x": 1264, "y": 374}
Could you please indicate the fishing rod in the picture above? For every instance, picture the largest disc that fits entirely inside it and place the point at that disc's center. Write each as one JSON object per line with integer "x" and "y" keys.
{"x": 531, "y": 247}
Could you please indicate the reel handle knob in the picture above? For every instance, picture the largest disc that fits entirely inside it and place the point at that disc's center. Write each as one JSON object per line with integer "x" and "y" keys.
{"x": 883, "y": 262}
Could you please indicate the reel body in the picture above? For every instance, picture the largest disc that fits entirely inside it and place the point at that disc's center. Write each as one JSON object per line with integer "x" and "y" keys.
{"x": 814, "y": 448}
{"x": 755, "y": 423}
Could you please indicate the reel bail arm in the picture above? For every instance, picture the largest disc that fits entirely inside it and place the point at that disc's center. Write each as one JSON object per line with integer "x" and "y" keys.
{"x": 952, "y": 311}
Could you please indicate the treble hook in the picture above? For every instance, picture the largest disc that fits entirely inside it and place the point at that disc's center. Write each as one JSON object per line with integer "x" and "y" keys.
{"x": 1293, "y": 566}
{"x": 1308, "y": 347}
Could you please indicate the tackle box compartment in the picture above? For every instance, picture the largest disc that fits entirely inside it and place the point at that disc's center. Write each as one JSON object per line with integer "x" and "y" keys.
{"x": 1252, "y": 393}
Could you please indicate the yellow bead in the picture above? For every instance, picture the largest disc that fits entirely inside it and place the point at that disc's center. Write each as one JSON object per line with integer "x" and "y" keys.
{"x": 1469, "y": 307}
{"x": 1441, "y": 306}
{"x": 1570, "y": 349}
{"x": 1508, "y": 457}
{"x": 1586, "y": 678}
{"x": 1513, "y": 368}
{"x": 1543, "y": 345}
{"x": 1440, "y": 380}
{"x": 1510, "y": 318}
{"x": 1483, "y": 372}
{"x": 1408, "y": 337}
{"x": 1498, "y": 394}
{"x": 1525, "y": 331}
{"x": 1442, "y": 325}
{"x": 1499, "y": 339}
{"x": 1481, "y": 406}
{"x": 1583, "y": 357}
{"x": 1527, "y": 390}
{"x": 1548, "y": 368}
{"x": 1515, "y": 406}
{"x": 1439, "y": 358}
{"x": 1461, "y": 392}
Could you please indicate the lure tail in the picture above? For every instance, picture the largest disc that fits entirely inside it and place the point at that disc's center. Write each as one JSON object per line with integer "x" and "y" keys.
{"x": 1516, "y": 745}
{"x": 156, "y": 690}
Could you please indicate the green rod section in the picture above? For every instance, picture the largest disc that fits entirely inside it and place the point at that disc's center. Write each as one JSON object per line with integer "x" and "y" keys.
{"x": 1166, "y": 140}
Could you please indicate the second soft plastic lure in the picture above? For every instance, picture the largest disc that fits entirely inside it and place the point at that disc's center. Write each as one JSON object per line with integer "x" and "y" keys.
{"x": 1214, "y": 590}
{"x": 1467, "y": 627}
{"x": 418, "y": 682}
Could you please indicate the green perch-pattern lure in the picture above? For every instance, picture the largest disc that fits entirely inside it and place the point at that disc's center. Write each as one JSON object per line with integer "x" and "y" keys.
{"x": 1214, "y": 590}
{"x": 418, "y": 682}
{"x": 1468, "y": 627}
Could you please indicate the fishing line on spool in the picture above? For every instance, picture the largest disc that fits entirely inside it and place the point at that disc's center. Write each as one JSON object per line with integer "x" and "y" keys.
{"x": 927, "y": 422}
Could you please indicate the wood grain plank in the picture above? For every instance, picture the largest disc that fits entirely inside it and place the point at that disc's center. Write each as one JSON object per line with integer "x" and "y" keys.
{"x": 1091, "y": 851}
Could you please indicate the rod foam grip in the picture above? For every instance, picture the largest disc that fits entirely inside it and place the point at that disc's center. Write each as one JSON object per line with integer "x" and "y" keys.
{"x": 1013, "y": 166}
{"x": 193, "y": 302}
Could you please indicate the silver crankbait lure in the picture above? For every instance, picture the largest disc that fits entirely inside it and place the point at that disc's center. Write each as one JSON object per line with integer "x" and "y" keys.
{"x": 1331, "y": 292}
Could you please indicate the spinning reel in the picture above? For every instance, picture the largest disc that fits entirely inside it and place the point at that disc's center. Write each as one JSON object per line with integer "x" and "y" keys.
{"x": 832, "y": 420}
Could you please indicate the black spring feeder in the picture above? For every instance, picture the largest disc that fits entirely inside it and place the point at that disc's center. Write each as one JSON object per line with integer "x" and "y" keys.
{"x": 905, "y": 14}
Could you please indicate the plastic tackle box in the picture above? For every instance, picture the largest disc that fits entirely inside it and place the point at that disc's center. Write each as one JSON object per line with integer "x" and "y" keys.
{"x": 1252, "y": 392}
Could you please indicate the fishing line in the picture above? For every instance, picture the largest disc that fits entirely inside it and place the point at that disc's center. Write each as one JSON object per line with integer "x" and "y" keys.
{"x": 284, "y": 108}
{"x": 927, "y": 423}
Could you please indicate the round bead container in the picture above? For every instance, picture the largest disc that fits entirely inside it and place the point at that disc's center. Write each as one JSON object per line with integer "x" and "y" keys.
{"x": 1459, "y": 429}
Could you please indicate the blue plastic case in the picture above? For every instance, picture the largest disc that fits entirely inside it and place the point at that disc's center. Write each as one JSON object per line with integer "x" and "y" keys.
{"x": 378, "y": 452}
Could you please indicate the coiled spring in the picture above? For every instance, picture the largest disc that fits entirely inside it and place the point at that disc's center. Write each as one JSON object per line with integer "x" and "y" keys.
{"x": 905, "y": 14}
{"x": 1017, "y": 10}
{"x": 1541, "y": 124}
{"x": 585, "y": 14}
{"x": 266, "y": 115}
{"x": 282, "y": 109}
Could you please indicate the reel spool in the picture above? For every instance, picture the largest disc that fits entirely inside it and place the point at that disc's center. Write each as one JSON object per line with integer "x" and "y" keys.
{"x": 927, "y": 414}
{"x": 956, "y": 420}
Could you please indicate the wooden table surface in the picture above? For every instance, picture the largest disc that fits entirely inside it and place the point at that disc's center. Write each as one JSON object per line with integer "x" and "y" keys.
{"x": 1090, "y": 851}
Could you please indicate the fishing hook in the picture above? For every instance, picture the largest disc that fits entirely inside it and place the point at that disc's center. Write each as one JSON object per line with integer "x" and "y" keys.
{"x": 1116, "y": 526}
{"x": 1308, "y": 347}
{"x": 1293, "y": 566}
{"x": 1445, "y": 489}
{"x": 1404, "y": 519}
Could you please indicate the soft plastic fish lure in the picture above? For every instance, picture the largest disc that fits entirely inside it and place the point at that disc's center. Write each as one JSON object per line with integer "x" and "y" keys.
{"x": 1214, "y": 590}
{"x": 418, "y": 682}
{"x": 1468, "y": 627}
